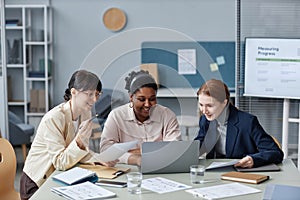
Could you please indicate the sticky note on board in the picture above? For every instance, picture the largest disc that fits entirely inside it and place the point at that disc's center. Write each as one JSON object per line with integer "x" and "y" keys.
{"x": 220, "y": 60}
{"x": 214, "y": 67}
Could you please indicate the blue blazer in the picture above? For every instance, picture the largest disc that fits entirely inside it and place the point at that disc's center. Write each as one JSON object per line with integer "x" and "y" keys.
{"x": 245, "y": 136}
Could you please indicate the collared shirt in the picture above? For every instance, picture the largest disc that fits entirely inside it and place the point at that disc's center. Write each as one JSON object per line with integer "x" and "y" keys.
{"x": 122, "y": 126}
{"x": 222, "y": 129}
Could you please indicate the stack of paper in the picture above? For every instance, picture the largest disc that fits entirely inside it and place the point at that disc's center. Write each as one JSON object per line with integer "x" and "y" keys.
{"x": 83, "y": 191}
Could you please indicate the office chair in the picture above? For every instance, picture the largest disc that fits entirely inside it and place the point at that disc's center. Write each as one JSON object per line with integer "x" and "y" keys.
{"x": 109, "y": 100}
{"x": 19, "y": 132}
{"x": 8, "y": 166}
{"x": 188, "y": 121}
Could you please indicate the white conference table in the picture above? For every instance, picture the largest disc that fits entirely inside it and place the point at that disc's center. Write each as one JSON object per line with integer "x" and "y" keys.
{"x": 289, "y": 175}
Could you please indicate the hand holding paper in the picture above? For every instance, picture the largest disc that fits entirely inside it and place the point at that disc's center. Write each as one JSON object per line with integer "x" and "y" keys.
{"x": 215, "y": 165}
{"x": 115, "y": 151}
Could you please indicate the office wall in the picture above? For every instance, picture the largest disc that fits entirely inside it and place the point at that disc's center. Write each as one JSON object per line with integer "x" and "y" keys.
{"x": 80, "y": 38}
{"x": 78, "y": 29}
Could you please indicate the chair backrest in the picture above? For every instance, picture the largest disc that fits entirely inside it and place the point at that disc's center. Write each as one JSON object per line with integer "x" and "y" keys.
{"x": 8, "y": 166}
{"x": 276, "y": 141}
{"x": 14, "y": 118}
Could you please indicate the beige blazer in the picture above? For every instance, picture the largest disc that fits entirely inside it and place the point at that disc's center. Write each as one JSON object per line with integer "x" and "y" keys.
{"x": 54, "y": 146}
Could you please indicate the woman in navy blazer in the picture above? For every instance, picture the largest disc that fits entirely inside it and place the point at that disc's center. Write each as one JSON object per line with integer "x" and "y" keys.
{"x": 238, "y": 134}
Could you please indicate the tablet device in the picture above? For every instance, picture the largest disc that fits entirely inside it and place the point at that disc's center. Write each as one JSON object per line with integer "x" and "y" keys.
{"x": 264, "y": 168}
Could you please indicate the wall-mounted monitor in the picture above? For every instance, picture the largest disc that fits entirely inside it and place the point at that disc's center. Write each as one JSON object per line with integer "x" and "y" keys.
{"x": 272, "y": 67}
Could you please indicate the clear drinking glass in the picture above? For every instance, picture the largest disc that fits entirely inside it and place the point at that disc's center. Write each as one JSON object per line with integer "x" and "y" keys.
{"x": 197, "y": 174}
{"x": 134, "y": 182}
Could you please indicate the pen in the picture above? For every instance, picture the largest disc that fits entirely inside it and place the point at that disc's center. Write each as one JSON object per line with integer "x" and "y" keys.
{"x": 117, "y": 173}
{"x": 95, "y": 116}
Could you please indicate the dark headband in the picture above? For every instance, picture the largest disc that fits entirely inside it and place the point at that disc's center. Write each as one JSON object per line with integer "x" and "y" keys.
{"x": 139, "y": 81}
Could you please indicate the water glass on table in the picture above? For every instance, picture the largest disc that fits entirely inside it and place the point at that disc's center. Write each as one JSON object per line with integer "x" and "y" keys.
{"x": 197, "y": 174}
{"x": 134, "y": 182}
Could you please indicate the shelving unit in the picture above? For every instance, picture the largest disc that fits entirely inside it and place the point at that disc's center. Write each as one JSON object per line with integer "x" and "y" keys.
{"x": 31, "y": 65}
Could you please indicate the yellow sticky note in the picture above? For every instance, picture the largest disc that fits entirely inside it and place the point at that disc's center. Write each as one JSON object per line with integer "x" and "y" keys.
{"x": 214, "y": 67}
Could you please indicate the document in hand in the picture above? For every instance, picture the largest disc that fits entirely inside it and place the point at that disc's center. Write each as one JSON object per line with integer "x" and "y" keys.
{"x": 76, "y": 175}
{"x": 215, "y": 165}
{"x": 244, "y": 177}
{"x": 83, "y": 191}
{"x": 116, "y": 150}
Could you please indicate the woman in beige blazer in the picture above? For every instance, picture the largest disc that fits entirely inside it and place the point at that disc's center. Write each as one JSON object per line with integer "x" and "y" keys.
{"x": 61, "y": 140}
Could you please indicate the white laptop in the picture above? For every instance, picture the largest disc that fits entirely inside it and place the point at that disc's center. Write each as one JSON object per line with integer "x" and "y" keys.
{"x": 169, "y": 157}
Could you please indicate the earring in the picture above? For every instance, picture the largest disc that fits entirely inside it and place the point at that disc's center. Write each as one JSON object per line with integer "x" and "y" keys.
{"x": 131, "y": 104}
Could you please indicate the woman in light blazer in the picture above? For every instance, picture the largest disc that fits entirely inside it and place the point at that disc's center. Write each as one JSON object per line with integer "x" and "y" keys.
{"x": 62, "y": 138}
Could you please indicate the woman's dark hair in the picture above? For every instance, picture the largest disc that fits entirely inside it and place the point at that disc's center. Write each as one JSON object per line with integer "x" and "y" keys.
{"x": 216, "y": 89}
{"x": 83, "y": 80}
{"x": 140, "y": 79}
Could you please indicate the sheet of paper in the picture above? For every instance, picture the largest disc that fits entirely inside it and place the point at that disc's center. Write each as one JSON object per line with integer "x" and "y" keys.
{"x": 215, "y": 165}
{"x": 163, "y": 185}
{"x": 115, "y": 151}
{"x": 222, "y": 191}
{"x": 86, "y": 190}
{"x": 186, "y": 61}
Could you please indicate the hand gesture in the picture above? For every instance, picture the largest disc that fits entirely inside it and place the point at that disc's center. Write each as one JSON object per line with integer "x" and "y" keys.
{"x": 83, "y": 134}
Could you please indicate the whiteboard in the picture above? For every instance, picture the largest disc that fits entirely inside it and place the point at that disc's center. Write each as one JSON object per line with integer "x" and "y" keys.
{"x": 272, "y": 67}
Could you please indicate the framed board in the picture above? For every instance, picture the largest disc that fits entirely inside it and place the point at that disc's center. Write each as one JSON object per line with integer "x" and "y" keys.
{"x": 272, "y": 67}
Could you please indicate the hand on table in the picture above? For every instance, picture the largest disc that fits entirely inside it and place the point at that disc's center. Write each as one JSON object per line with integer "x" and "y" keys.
{"x": 246, "y": 162}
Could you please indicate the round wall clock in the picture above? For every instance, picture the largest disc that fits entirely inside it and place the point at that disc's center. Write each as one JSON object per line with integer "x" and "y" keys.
{"x": 114, "y": 19}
